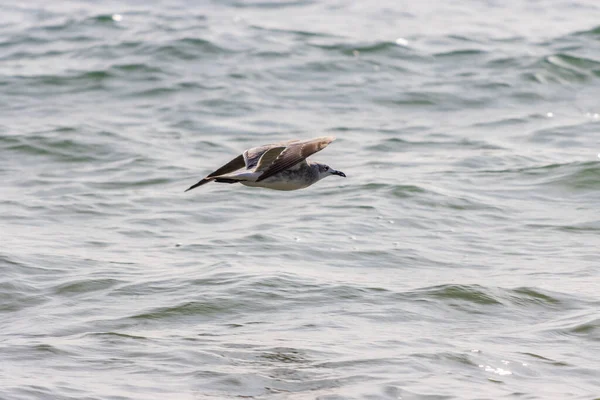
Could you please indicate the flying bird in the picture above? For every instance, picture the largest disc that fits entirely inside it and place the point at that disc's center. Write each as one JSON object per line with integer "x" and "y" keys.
{"x": 278, "y": 166}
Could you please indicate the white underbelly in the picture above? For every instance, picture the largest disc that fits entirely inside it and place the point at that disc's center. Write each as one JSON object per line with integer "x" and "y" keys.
{"x": 275, "y": 184}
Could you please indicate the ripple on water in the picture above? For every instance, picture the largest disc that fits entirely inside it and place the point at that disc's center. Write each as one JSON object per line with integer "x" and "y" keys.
{"x": 523, "y": 298}
{"x": 563, "y": 68}
{"x": 61, "y": 144}
{"x": 396, "y": 144}
{"x": 16, "y": 296}
{"x": 580, "y": 176}
{"x": 582, "y": 325}
{"x": 464, "y": 293}
{"x": 80, "y": 287}
{"x": 594, "y": 32}
{"x": 366, "y": 49}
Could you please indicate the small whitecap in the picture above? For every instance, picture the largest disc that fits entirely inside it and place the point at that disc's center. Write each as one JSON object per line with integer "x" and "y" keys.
{"x": 353, "y": 237}
{"x": 596, "y": 115}
{"x": 117, "y": 17}
{"x": 598, "y": 155}
{"x": 549, "y": 115}
{"x": 402, "y": 42}
{"x": 540, "y": 78}
{"x": 356, "y": 53}
{"x": 297, "y": 239}
{"x": 498, "y": 371}
{"x": 391, "y": 221}
{"x": 475, "y": 351}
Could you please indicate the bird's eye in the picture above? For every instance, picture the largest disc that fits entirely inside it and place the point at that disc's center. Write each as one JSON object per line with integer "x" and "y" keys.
{"x": 326, "y": 168}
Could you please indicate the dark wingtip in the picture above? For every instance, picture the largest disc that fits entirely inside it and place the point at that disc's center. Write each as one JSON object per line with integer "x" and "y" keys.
{"x": 200, "y": 183}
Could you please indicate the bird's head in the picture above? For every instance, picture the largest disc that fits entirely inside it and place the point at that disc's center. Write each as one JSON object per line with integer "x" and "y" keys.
{"x": 326, "y": 170}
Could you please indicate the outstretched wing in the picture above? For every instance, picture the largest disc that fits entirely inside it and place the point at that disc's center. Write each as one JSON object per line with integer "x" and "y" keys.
{"x": 253, "y": 155}
{"x": 230, "y": 167}
{"x": 294, "y": 153}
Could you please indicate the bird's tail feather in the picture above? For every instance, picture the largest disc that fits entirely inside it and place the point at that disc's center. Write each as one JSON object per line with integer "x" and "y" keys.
{"x": 226, "y": 180}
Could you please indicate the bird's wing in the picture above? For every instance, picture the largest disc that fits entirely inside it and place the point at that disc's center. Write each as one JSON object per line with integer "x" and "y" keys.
{"x": 294, "y": 153}
{"x": 268, "y": 158}
{"x": 228, "y": 168}
{"x": 253, "y": 155}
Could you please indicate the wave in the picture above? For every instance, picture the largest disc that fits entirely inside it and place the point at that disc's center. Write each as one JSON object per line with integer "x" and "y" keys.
{"x": 478, "y": 297}
{"x": 561, "y": 68}
{"x": 62, "y": 144}
{"x": 581, "y": 175}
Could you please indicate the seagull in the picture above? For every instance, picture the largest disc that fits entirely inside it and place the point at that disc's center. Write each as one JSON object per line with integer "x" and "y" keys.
{"x": 278, "y": 166}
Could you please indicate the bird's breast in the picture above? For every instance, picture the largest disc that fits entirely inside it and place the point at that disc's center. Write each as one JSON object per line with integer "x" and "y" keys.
{"x": 276, "y": 184}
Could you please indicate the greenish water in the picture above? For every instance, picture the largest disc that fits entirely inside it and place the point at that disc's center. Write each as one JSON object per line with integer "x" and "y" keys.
{"x": 458, "y": 260}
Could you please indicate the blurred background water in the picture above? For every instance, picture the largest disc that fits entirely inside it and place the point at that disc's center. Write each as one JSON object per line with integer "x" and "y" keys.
{"x": 458, "y": 260}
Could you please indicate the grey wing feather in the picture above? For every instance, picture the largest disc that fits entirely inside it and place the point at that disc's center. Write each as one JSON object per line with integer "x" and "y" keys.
{"x": 294, "y": 153}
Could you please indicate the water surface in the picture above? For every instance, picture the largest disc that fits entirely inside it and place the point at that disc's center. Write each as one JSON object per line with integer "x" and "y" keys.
{"x": 458, "y": 260}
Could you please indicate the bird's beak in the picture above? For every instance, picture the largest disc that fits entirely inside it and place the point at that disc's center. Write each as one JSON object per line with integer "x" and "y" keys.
{"x": 340, "y": 173}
